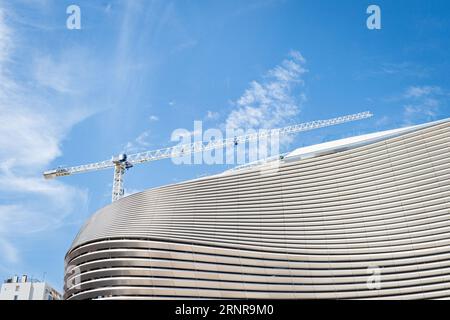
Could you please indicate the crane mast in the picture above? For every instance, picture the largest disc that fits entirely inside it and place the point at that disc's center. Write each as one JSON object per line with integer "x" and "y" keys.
{"x": 123, "y": 162}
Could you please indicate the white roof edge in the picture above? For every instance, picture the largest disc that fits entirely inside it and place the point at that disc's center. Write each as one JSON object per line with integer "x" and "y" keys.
{"x": 355, "y": 141}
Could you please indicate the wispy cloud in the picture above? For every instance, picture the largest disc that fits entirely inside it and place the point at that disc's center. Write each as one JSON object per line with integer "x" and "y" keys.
{"x": 249, "y": 6}
{"x": 271, "y": 102}
{"x": 212, "y": 115}
{"x": 189, "y": 43}
{"x": 5, "y": 39}
{"x": 421, "y": 91}
{"x": 31, "y": 132}
{"x": 53, "y": 75}
{"x": 9, "y": 252}
{"x": 423, "y": 103}
{"x": 384, "y": 120}
{"x": 398, "y": 69}
{"x": 140, "y": 143}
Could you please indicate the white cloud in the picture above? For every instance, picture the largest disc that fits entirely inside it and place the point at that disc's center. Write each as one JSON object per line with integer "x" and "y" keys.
{"x": 140, "y": 143}
{"x": 31, "y": 132}
{"x": 27, "y": 137}
{"x": 142, "y": 139}
{"x": 420, "y": 91}
{"x": 384, "y": 120}
{"x": 427, "y": 109}
{"x": 212, "y": 115}
{"x": 271, "y": 102}
{"x": 266, "y": 104}
{"x": 405, "y": 69}
{"x": 187, "y": 44}
{"x": 38, "y": 205}
{"x": 9, "y": 252}
{"x": 51, "y": 74}
{"x": 5, "y": 41}
{"x": 297, "y": 56}
{"x": 423, "y": 103}
{"x": 64, "y": 72}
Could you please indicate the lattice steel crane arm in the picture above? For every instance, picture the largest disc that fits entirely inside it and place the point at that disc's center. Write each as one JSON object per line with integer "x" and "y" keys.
{"x": 60, "y": 172}
{"x": 186, "y": 149}
{"x": 122, "y": 162}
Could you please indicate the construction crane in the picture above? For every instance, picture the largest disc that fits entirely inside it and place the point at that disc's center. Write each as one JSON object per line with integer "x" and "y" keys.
{"x": 123, "y": 162}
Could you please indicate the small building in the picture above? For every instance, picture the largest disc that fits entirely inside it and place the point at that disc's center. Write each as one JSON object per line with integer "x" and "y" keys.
{"x": 23, "y": 288}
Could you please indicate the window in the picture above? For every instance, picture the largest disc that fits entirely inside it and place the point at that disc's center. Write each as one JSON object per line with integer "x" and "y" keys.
{"x": 17, "y": 288}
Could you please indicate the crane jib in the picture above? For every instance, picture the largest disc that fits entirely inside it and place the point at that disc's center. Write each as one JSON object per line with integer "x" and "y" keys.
{"x": 122, "y": 162}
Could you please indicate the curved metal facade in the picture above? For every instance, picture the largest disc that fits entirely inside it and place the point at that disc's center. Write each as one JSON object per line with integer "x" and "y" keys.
{"x": 312, "y": 228}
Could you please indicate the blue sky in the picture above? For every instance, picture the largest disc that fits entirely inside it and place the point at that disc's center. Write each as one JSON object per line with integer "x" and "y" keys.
{"x": 137, "y": 70}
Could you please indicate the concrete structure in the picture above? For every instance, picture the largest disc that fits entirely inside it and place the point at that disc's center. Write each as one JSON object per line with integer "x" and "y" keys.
{"x": 363, "y": 217}
{"x": 26, "y": 289}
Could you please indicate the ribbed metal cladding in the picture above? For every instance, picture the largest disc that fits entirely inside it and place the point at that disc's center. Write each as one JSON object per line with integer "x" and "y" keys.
{"x": 313, "y": 228}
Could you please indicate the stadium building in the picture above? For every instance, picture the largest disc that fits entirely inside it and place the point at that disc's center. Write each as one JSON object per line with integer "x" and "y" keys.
{"x": 361, "y": 217}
